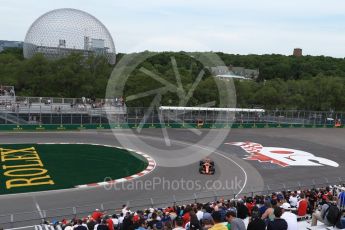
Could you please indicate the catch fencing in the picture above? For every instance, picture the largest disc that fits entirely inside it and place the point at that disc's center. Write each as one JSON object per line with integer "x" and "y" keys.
{"x": 122, "y": 116}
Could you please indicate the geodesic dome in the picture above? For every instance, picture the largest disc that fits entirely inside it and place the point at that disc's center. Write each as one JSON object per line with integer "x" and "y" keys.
{"x": 60, "y": 32}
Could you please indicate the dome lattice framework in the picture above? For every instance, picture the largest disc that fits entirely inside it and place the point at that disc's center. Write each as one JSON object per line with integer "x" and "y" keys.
{"x": 60, "y": 32}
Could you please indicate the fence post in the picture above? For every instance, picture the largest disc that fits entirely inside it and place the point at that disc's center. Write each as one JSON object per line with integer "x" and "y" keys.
{"x": 268, "y": 189}
{"x": 340, "y": 180}
{"x": 215, "y": 196}
{"x": 74, "y": 211}
{"x": 152, "y": 116}
{"x": 174, "y": 199}
{"x": 151, "y": 202}
{"x": 12, "y": 220}
{"x": 195, "y": 198}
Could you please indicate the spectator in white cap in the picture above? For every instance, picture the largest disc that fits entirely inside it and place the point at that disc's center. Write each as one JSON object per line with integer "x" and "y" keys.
{"x": 288, "y": 216}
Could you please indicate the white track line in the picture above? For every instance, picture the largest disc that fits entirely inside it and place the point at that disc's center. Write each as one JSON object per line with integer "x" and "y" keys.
{"x": 38, "y": 207}
{"x": 18, "y": 228}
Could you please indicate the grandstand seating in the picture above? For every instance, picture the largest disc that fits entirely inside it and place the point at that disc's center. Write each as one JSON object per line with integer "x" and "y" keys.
{"x": 167, "y": 216}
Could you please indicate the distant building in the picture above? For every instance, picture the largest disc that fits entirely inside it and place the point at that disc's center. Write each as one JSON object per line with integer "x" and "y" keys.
{"x": 60, "y": 32}
{"x": 297, "y": 52}
{"x": 10, "y": 44}
{"x": 225, "y": 73}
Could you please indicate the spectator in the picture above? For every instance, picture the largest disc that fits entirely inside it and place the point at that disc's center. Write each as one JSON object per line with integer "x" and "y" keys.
{"x": 91, "y": 224}
{"x": 206, "y": 224}
{"x": 199, "y": 213}
{"x": 207, "y": 214}
{"x": 242, "y": 210}
{"x": 278, "y": 223}
{"x": 312, "y": 199}
{"x": 194, "y": 223}
{"x": 166, "y": 218}
{"x": 302, "y": 206}
{"x": 127, "y": 221}
{"x": 289, "y": 217}
{"x": 266, "y": 205}
{"x": 110, "y": 223}
{"x": 97, "y": 214}
{"x": 293, "y": 200}
{"x": 121, "y": 219}
{"x": 186, "y": 215}
{"x": 217, "y": 219}
{"x": 68, "y": 226}
{"x": 153, "y": 221}
{"x": 329, "y": 214}
{"x": 98, "y": 222}
{"x": 269, "y": 213}
{"x": 102, "y": 225}
{"x": 250, "y": 204}
{"x": 341, "y": 199}
{"x": 179, "y": 224}
{"x": 255, "y": 222}
{"x": 125, "y": 209}
{"x": 80, "y": 226}
{"x": 232, "y": 207}
{"x": 235, "y": 223}
{"x": 142, "y": 225}
{"x": 115, "y": 221}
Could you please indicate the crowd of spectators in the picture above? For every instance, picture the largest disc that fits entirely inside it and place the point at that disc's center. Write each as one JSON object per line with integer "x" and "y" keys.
{"x": 277, "y": 211}
{"x": 47, "y": 104}
{"x": 6, "y": 91}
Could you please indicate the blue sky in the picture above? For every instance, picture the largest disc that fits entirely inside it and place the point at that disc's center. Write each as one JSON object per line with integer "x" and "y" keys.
{"x": 240, "y": 27}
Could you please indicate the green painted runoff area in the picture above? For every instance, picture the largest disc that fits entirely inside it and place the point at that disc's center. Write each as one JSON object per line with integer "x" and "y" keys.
{"x": 67, "y": 165}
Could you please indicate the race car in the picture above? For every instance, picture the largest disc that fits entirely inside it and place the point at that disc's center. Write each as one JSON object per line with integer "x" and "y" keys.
{"x": 206, "y": 166}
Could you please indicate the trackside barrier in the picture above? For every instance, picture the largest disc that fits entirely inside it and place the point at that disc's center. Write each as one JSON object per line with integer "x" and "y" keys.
{"x": 31, "y": 218}
{"x": 68, "y": 127}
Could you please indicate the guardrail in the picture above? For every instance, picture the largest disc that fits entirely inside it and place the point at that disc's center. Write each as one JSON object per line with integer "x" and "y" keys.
{"x": 15, "y": 220}
{"x": 102, "y": 126}
{"x": 146, "y": 116}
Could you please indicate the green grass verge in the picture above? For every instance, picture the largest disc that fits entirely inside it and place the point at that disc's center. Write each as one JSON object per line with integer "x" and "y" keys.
{"x": 69, "y": 165}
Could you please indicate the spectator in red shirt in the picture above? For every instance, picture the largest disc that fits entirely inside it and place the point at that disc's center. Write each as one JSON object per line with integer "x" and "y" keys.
{"x": 186, "y": 215}
{"x": 96, "y": 215}
{"x": 250, "y": 205}
{"x": 302, "y": 206}
{"x": 110, "y": 223}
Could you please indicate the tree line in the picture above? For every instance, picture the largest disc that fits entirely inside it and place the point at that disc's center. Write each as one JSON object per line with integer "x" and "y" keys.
{"x": 285, "y": 82}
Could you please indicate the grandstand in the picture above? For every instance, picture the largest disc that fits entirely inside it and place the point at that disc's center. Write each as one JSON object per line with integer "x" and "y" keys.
{"x": 49, "y": 110}
{"x": 247, "y": 209}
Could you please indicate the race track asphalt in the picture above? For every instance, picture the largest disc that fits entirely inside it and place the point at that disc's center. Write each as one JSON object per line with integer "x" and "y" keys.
{"x": 176, "y": 178}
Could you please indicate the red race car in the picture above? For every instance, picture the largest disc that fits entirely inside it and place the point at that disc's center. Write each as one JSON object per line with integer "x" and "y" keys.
{"x": 207, "y": 166}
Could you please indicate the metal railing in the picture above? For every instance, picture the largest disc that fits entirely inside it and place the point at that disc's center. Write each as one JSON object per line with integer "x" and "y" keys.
{"x": 35, "y": 217}
{"x": 49, "y": 114}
